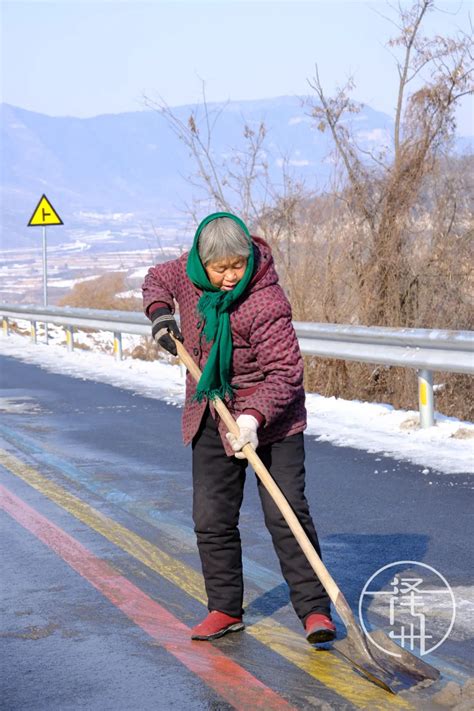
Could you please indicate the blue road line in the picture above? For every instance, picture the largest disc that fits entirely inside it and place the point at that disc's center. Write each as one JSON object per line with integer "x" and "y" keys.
{"x": 262, "y": 577}
{"x": 275, "y": 592}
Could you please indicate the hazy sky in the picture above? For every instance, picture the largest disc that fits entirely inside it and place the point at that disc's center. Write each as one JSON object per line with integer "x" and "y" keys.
{"x": 83, "y": 58}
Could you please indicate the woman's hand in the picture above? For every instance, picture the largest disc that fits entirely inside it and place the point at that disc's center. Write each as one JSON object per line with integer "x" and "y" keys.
{"x": 162, "y": 325}
{"x": 248, "y": 426}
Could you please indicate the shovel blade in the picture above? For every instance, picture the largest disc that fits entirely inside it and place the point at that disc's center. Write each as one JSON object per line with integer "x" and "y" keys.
{"x": 382, "y": 661}
{"x": 362, "y": 661}
{"x": 399, "y": 661}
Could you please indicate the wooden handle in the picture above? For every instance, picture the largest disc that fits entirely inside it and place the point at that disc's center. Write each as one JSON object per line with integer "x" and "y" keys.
{"x": 286, "y": 511}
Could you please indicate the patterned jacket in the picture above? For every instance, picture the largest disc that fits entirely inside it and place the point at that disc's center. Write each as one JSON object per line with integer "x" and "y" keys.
{"x": 267, "y": 367}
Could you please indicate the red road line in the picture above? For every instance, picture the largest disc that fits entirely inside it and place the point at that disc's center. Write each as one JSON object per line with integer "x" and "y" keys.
{"x": 227, "y": 678}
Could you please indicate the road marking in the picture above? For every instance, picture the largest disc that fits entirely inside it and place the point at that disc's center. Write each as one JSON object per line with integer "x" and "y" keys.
{"x": 233, "y": 683}
{"x": 182, "y": 536}
{"x": 325, "y": 667}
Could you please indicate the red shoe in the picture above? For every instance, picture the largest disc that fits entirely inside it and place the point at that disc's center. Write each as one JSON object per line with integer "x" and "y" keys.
{"x": 215, "y": 625}
{"x": 319, "y": 628}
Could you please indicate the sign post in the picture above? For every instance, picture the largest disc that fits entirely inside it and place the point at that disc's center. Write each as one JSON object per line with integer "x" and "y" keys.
{"x": 44, "y": 214}
{"x": 45, "y": 269}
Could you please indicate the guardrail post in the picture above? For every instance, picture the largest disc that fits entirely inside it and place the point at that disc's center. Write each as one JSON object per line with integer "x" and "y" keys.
{"x": 118, "y": 345}
{"x": 426, "y": 398}
{"x": 6, "y": 326}
{"x": 34, "y": 332}
{"x": 70, "y": 338}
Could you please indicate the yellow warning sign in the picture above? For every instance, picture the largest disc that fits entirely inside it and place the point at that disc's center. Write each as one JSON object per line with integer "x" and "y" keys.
{"x": 44, "y": 214}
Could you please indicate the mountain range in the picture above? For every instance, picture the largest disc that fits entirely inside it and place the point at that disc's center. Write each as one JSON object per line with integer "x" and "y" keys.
{"x": 116, "y": 172}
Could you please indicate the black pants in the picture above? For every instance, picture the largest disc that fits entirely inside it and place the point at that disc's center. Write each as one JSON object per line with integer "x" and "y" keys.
{"x": 218, "y": 486}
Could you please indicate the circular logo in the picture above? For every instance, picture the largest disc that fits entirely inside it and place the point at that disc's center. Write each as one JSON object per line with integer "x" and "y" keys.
{"x": 412, "y": 602}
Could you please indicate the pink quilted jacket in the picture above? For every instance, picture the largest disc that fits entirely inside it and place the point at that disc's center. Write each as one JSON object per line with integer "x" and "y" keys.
{"x": 267, "y": 367}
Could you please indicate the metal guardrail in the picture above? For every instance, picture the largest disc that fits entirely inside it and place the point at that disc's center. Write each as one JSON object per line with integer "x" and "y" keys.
{"x": 451, "y": 351}
{"x": 422, "y": 349}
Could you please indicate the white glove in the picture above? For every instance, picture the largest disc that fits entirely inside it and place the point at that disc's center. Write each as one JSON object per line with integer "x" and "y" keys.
{"x": 248, "y": 425}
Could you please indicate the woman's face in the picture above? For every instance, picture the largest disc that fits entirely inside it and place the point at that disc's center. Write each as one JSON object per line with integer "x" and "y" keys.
{"x": 226, "y": 273}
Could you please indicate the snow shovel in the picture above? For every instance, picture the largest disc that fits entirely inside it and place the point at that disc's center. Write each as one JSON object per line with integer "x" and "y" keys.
{"x": 394, "y": 670}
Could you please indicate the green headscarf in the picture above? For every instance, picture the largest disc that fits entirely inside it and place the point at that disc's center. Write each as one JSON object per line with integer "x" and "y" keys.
{"x": 214, "y": 307}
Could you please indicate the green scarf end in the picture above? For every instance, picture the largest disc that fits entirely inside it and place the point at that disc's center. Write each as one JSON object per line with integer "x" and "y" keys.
{"x": 222, "y": 392}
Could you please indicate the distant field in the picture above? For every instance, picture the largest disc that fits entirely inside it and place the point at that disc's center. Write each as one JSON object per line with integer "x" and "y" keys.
{"x": 21, "y": 271}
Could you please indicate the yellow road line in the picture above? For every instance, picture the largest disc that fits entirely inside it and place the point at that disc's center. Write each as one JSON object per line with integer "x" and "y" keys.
{"x": 327, "y": 668}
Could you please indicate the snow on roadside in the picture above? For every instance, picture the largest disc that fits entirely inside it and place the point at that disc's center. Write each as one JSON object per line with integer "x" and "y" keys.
{"x": 70, "y": 283}
{"x": 131, "y": 293}
{"x": 380, "y": 428}
{"x": 156, "y": 379}
{"x": 376, "y": 428}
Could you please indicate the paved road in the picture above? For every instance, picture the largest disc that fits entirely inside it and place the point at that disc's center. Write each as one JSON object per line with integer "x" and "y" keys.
{"x": 103, "y": 574}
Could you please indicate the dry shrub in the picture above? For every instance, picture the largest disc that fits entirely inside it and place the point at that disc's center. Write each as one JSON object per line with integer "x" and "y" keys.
{"x": 391, "y": 385}
{"x": 321, "y": 257}
{"x": 456, "y": 396}
{"x": 101, "y": 293}
{"x": 146, "y": 350}
{"x": 399, "y": 248}
{"x": 361, "y": 381}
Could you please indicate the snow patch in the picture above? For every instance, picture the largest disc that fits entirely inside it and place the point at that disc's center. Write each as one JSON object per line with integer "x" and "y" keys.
{"x": 18, "y": 405}
{"x": 76, "y": 246}
{"x": 69, "y": 283}
{"x": 135, "y": 293}
{"x": 139, "y": 273}
{"x": 340, "y": 422}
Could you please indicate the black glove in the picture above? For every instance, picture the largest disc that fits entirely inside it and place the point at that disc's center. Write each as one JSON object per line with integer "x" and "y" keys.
{"x": 162, "y": 324}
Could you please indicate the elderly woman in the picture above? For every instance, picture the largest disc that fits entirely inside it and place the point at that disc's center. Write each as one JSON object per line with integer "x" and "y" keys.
{"x": 236, "y": 323}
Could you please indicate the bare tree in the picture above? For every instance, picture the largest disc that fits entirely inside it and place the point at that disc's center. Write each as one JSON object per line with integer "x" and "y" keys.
{"x": 240, "y": 182}
{"x": 388, "y": 243}
{"x": 236, "y": 182}
{"x": 384, "y": 187}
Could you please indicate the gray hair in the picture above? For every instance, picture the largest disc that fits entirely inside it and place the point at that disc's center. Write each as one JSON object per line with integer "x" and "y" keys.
{"x": 222, "y": 238}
